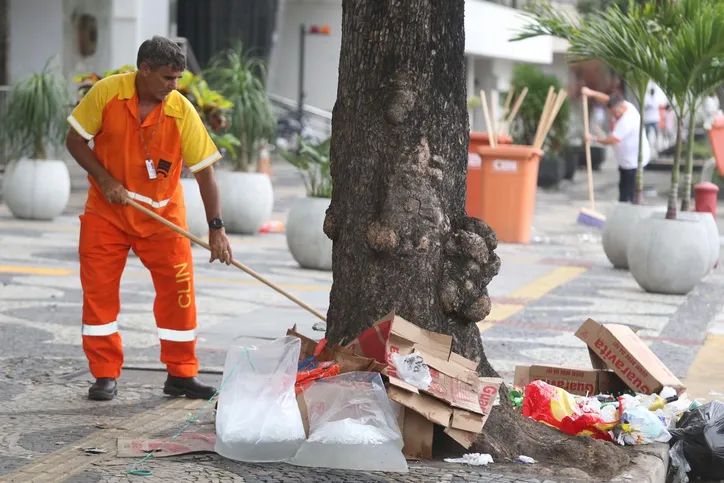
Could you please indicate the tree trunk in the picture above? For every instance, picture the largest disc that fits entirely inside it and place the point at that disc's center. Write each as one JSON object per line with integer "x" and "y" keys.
{"x": 689, "y": 168}
{"x": 671, "y": 208}
{"x": 402, "y": 240}
{"x": 399, "y": 157}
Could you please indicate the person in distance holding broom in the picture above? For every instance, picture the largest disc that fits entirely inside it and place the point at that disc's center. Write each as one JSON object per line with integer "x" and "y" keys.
{"x": 143, "y": 131}
{"x": 625, "y": 140}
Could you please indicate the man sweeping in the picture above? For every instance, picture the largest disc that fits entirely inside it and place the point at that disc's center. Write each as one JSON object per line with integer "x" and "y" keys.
{"x": 625, "y": 140}
{"x": 143, "y": 132}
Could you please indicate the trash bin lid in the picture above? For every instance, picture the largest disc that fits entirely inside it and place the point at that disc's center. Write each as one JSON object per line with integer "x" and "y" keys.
{"x": 510, "y": 151}
{"x": 479, "y": 137}
{"x": 706, "y": 187}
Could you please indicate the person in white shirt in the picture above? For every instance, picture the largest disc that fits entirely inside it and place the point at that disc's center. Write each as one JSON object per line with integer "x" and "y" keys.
{"x": 711, "y": 107}
{"x": 651, "y": 113}
{"x": 625, "y": 140}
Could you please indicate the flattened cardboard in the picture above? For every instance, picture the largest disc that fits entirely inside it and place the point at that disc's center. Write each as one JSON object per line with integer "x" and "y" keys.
{"x": 620, "y": 349}
{"x": 417, "y": 434}
{"x": 185, "y": 443}
{"x": 429, "y": 407}
{"x": 467, "y": 421}
{"x": 488, "y": 390}
{"x": 403, "y": 385}
{"x": 346, "y": 359}
{"x": 393, "y": 334}
{"x": 463, "y": 438}
{"x": 304, "y": 412}
{"x": 466, "y": 363}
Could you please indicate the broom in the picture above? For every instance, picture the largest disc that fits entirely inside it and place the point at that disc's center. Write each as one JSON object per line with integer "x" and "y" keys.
{"x": 589, "y": 216}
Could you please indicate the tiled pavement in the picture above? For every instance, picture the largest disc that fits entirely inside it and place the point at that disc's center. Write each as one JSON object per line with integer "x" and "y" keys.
{"x": 544, "y": 291}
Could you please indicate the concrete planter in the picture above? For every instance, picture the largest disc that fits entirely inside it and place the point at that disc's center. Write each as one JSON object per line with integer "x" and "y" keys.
{"x": 618, "y": 229}
{"x": 306, "y": 240}
{"x": 36, "y": 189}
{"x": 195, "y": 211}
{"x": 669, "y": 256}
{"x": 712, "y": 232}
{"x": 247, "y": 200}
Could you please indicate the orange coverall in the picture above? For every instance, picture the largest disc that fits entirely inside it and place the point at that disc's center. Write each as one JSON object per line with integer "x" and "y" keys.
{"x": 174, "y": 134}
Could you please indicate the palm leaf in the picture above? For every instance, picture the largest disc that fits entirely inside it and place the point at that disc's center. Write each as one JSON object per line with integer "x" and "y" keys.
{"x": 34, "y": 118}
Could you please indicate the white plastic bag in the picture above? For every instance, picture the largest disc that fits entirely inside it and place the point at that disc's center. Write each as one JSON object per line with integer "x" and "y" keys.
{"x": 413, "y": 370}
{"x": 258, "y": 419}
{"x": 352, "y": 425}
{"x": 641, "y": 426}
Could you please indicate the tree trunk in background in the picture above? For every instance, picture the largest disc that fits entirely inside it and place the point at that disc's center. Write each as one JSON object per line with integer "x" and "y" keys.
{"x": 402, "y": 240}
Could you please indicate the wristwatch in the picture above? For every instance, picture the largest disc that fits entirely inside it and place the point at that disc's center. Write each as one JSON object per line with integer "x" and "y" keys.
{"x": 216, "y": 224}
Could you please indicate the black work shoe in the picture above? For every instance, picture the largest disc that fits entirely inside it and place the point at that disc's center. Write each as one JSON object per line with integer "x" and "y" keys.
{"x": 104, "y": 389}
{"x": 190, "y": 387}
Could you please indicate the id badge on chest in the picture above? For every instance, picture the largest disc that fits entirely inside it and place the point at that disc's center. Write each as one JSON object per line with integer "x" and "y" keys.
{"x": 151, "y": 169}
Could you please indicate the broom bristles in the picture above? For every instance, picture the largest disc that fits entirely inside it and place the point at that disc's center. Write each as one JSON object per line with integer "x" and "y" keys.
{"x": 590, "y": 217}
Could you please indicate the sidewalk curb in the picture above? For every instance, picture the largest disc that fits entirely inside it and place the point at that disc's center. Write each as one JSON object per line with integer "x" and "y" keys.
{"x": 651, "y": 465}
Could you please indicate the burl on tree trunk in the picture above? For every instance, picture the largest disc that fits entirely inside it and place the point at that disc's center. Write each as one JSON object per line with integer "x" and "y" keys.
{"x": 402, "y": 240}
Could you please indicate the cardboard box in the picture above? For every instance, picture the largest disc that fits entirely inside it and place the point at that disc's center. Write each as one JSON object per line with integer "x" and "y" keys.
{"x": 584, "y": 382}
{"x": 457, "y": 399}
{"x": 393, "y": 334}
{"x": 618, "y": 348}
{"x": 417, "y": 434}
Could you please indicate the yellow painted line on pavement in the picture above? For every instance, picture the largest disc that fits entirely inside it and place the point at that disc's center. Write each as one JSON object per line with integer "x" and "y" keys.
{"x": 39, "y": 226}
{"x": 498, "y": 313}
{"x": 705, "y": 373}
{"x": 27, "y": 270}
{"x": 35, "y": 270}
{"x": 503, "y": 311}
{"x": 532, "y": 291}
{"x": 551, "y": 280}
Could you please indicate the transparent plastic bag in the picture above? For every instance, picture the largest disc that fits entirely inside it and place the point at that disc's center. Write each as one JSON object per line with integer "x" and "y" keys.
{"x": 258, "y": 418}
{"x": 678, "y": 461}
{"x": 413, "y": 370}
{"x": 352, "y": 425}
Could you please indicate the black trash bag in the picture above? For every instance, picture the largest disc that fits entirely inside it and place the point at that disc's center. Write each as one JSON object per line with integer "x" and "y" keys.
{"x": 700, "y": 432}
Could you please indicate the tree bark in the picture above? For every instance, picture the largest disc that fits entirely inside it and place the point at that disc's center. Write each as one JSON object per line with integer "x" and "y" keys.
{"x": 402, "y": 240}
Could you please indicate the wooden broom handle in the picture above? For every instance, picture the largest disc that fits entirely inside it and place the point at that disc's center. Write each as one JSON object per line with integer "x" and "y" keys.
{"x": 238, "y": 265}
{"x": 588, "y": 152}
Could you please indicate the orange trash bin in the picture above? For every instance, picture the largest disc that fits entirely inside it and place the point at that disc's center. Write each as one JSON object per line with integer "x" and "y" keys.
{"x": 509, "y": 182}
{"x": 474, "y": 196}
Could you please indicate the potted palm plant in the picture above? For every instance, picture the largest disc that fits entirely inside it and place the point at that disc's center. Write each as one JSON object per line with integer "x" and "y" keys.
{"x": 36, "y": 184}
{"x": 307, "y": 242}
{"x": 671, "y": 252}
{"x": 247, "y": 198}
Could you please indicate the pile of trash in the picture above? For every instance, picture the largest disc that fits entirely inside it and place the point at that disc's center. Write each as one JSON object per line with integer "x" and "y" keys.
{"x": 626, "y": 419}
{"x": 371, "y": 405}
{"x": 628, "y": 397}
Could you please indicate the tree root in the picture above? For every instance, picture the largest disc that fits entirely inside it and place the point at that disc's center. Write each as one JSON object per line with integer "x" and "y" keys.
{"x": 507, "y": 435}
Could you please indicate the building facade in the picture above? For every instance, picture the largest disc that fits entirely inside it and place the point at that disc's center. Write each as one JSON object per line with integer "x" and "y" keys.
{"x": 490, "y": 55}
